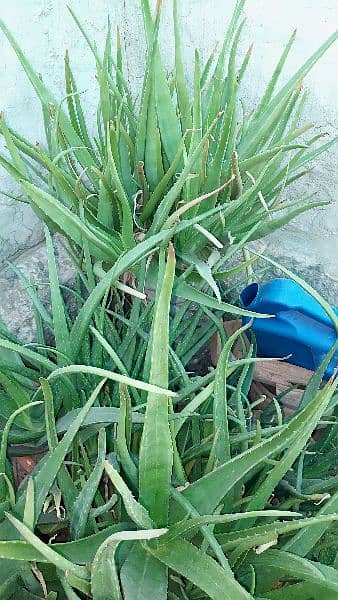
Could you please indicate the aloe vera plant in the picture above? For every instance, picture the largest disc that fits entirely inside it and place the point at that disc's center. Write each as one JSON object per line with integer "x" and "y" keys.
{"x": 178, "y": 152}
{"x": 108, "y": 329}
{"x": 158, "y": 481}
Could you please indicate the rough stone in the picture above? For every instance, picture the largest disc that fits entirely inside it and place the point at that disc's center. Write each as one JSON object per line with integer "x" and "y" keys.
{"x": 16, "y": 308}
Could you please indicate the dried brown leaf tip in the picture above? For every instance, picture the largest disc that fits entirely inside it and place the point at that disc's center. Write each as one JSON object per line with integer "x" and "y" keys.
{"x": 158, "y": 7}
{"x": 171, "y": 251}
{"x": 249, "y": 51}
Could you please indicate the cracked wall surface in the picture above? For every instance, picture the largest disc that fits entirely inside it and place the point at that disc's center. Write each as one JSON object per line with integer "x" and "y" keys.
{"x": 44, "y": 29}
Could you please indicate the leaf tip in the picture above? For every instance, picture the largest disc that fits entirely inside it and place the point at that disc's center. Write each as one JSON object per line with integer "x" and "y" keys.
{"x": 158, "y": 8}
{"x": 171, "y": 251}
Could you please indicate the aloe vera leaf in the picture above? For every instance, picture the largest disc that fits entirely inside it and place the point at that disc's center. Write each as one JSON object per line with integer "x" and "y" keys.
{"x": 186, "y": 526}
{"x": 265, "y": 490}
{"x": 303, "y": 70}
{"x": 50, "y": 468}
{"x": 313, "y": 154}
{"x": 5, "y": 437}
{"x": 129, "y": 142}
{"x": 126, "y": 260}
{"x": 143, "y": 576}
{"x": 204, "y": 271}
{"x": 156, "y": 447}
{"x": 80, "y": 552}
{"x": 11, "y": 584}
{"x": 60, "y": 326}
{"x": 65, "y": 182}
{"x": 317, "y": 377}
{"x": 104, "y": 208}
{"x": 114, "y": 238}
{"x": 66, "y": 220}
{"x": 136, "y": 511}
{"x": 70, "y": 96}
{"x": 153, "y": 158}
{"x": 297, "y": 77}
{"x": 105, "y": 582}
{"x": 162, "y": 186}
{"x": 274, "y": 79}
{"x": 181, "y": 83}
{"x": 224, "y": 275}
{"x": 68, "y": 589}
{"x": 304, "y": 541}
{"x": 199, "y": 341}
{"x": 256, "y": 159}
{"x": 119, "y": 61}
{"x": 32, "y": 356}
{"x": 183, "y": 290}
{"x": 270, "y": 226}
{"x": 24, "y": 145}
{"x": 199, "y": 568}
{"x": 14, "y": 173}
{"x": 148, "y": 96}
{"x": 105, "y": 98}
{"x": 218, "y": 75}
{"x": 96, "y": 416}
{"x": 46, "y": 97}
{"x": 127, "y": 219}
{"x": 137, "y": 317}
{"x": 40, "y": 333}
{"x": 251, "y": 195}
{"x": 285, "y": 564}
{"x": 122, "y": 435}
{"x": 301, "y": 158}
{"x": 206, "y": 69}
{"x": 148, "y": 387}
{"x": 46, "y": 550}
{"x": 65, "y": 481}
{"x": 113, "y": 354}
{"x": 298, "y": 111}
{"x": 220, "y": 406}
{"x": 244, "y": 64}
{"x": 11, "y": 147}
{"x": 261, "y": 534}
{"x": 300, "y": 591}
{"x": 214, "y": 173}
{"x": 250, "y": 145}
{"x": 193, "y": 405}
{"x": 81, "y": 507}
{"x": 206, "y": 531}
{"x": 197, "y": 124}
{"x": 169, "y": 124}
{"x": 282, "y": 126}
{"x": 167, "y": 202}
{"x": 127, "y": 103}
{"x": 206, "y": 493}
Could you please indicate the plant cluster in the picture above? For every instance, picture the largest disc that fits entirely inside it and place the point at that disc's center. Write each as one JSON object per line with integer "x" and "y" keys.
{"x": 155, "y": 477}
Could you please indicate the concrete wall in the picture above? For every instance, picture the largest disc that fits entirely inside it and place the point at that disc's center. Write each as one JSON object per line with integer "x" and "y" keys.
{"x": 44, "y": 30}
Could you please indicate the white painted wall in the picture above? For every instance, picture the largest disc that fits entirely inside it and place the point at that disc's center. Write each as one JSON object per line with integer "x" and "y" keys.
{"x": 44, "y": 29}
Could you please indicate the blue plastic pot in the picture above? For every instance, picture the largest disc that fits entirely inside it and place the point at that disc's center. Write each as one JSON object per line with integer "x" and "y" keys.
{"x": 300, "y": 327}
